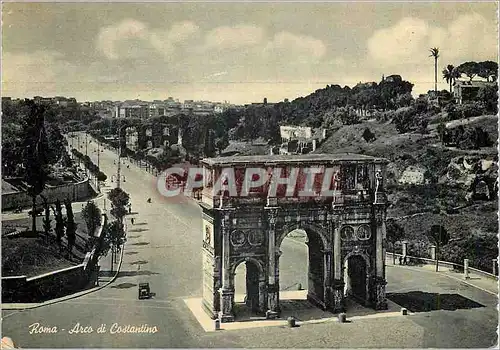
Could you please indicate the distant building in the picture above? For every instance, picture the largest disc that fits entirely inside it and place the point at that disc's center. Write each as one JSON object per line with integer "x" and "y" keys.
{"x": 58, "y": 100}
{"x": 132, "y": 139}
{"x": 464, "y": 91}
{"x": 393, "y": 79}
{"x": 140, "y": 111}
{"x": 149, "y": 136}
{"x": 300, "y": 139}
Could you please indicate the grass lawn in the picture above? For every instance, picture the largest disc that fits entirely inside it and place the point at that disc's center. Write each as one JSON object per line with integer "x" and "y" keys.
{"x": 29, "y": 256}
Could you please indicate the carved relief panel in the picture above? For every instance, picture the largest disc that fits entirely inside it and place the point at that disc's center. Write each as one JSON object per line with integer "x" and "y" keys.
{"x": 208, "y": 236}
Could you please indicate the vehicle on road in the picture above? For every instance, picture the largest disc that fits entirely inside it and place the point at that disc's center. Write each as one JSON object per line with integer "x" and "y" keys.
{"x": 144, "y": 291}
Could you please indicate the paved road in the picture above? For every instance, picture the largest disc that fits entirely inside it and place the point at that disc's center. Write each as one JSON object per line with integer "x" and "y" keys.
{"x": 163, "y": 248}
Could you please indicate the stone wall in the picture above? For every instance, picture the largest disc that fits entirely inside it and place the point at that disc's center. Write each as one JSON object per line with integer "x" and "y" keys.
{"x": 74, "y": 191}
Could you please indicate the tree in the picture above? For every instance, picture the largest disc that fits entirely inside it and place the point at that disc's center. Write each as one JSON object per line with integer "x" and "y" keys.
{"x": 92, "y": 216}
{"x": 35, "y": 155}
{"x": 404, "y": 100}
{"x": 119, "y": 201}
{"x": 221, "y": 143}
{"x": 47, "y": 227}
{"x": 114, "y": 238}
{"x": 439, "y": 237}
{"x": 487, "y": 70}
{"x": 394, "y": 233}
{"x": 60, "y": 224}
{"x": 435, "y": 53}
{"x": 70, "y": 226}
{"x": 470, "y": 69}
{"x": 450, "y": 74}
{"x": 115, "y": 233}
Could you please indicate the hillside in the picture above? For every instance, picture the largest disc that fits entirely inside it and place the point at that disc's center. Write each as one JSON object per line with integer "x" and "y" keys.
{"x": 450, "y": 173}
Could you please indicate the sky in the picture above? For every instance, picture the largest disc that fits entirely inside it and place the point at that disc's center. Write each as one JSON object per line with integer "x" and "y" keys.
{"x": 236, "y": 52}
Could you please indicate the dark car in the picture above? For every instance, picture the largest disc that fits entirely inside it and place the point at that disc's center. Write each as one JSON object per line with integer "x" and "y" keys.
{"x": 144, "y": 291}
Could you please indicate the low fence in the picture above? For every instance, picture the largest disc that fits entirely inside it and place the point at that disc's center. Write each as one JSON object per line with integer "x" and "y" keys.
{"x": 54, "y": 284}
{"x": 74, "y": 191}
{"x": 414, "y": 260}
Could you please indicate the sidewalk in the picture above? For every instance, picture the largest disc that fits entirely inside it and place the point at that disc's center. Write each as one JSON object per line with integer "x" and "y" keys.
{"x": 481, "y": 282}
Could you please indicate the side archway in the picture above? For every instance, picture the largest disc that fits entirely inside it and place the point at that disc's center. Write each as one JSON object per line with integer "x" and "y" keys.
{"x": 255, "y": 283}
{"x": 357, "y": 271}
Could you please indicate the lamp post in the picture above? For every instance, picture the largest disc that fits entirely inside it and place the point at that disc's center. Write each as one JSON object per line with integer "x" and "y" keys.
{"x": 86, "y": 144}
{"x": 118, "y": 170}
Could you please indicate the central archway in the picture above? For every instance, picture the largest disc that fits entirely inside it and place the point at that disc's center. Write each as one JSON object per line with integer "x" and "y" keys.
{"x": 315, "y": 246}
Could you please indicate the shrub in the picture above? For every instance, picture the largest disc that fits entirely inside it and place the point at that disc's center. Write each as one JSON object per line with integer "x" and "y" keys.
{"x": 404, "y": 119}
{"x": 471, "y": 110}
{"x": 368, "y": 135}
{"x": 489, "y": 96}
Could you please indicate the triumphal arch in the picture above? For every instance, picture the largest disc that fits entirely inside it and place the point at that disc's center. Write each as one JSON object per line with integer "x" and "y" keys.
{"x": 250, "y": 204}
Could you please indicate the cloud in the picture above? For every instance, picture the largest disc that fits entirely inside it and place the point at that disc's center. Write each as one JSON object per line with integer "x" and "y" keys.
{"x": 468, "y": 37}
{"x": 234, "y": 37}
{"x": 131, "y": 39}
{"x": 181, "y": 31}
{"x": 24, "y": 73}
{"x": 297, "y": 45}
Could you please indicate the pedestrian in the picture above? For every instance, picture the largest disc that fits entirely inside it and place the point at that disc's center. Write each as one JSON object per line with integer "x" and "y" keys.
{"x": 132, "y": 221}
{"x": 129, "y": 209}
{"x": 400, "y": 261}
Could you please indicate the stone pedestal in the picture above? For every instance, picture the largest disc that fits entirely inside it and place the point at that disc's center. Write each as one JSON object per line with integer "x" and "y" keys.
{"x": 405, "y": 248}
{"x": 272, "y": 299}
{"x": 338, "y": 297}
{"x": 433, "y": 252}
{"x": 227, "y": 301}
{"x": 466, "y": 269}
{"x": 380, "y": 298}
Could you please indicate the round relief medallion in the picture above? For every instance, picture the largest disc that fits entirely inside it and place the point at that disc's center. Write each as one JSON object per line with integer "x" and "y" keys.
{"x": 237, "y": 238}
{"x": 255, "y": 238}
{"x": 347, "y": 233}
{"x": 364, "y": 233}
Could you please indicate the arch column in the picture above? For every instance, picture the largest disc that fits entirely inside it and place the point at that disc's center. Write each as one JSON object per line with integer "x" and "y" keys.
{"x": 337, "y": 304}
{"x": 327, "y": 278}
{"x": 377, "y": 287}
{"x": 227, "y": 290}
{"x": 273, "y": 274}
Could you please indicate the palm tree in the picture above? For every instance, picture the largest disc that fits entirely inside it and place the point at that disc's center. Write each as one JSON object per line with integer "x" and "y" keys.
{"x": 450, "y": 74}
{"x": 435, "y": 53}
